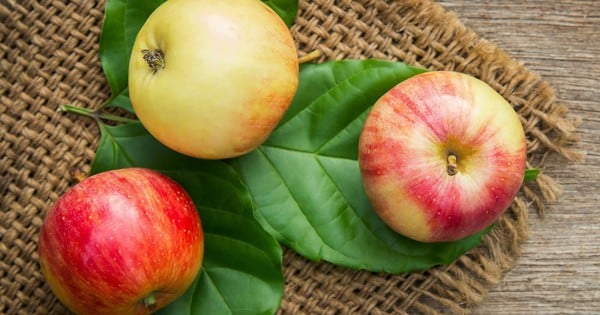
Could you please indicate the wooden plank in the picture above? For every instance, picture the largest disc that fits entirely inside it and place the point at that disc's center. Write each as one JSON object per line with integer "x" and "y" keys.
{"x": 559, "y": 270}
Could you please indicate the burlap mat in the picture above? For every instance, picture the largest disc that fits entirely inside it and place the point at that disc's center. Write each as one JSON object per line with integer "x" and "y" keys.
{"x": 49, "y": 56}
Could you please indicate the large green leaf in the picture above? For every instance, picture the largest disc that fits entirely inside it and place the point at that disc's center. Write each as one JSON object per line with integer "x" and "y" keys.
{"x": 305, "y": 179}
{"x": 122, "y": 21}
{"x": 286, "y": 9}
{"x": 241, "y": 272}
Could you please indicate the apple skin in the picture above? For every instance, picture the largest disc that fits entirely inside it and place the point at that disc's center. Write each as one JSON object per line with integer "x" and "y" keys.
{"x": 118, "y": 237}
{"x": 230, "y": 73}
{"x": 407, "y": 149}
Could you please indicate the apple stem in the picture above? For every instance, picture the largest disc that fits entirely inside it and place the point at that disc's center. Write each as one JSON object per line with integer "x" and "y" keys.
{"x": 155, "y": 59}
{"x": 310, "y": 56}
{"x": 452, "y": 165}
{"x": 150, "y": 301}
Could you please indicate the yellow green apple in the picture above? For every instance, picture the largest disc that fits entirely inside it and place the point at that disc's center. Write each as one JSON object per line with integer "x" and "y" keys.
{"x": 211, "y": 78}
{"x": 442, "y": 155}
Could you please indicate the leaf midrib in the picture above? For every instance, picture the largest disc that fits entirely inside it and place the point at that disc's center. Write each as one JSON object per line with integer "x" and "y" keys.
{"x": 315, "y": 156}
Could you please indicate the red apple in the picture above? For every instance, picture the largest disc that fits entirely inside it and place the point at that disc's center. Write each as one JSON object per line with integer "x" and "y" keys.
{"x": 442, "y": 155}
{"x": 126, "y": 241}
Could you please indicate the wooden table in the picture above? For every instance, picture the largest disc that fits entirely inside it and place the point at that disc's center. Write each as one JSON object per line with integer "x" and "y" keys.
{"x": 559, "y": 270}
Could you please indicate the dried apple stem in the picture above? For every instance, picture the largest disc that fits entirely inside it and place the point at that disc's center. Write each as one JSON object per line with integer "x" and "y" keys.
{"x": 155, "y": 58}
{"x": 452, "y": 168}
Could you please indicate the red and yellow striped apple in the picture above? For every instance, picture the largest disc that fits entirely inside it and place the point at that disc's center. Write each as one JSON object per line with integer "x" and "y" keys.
{"x": 211, "y": 78}
{"x": 126, "y": 241}
{"x": 442, "y": 155}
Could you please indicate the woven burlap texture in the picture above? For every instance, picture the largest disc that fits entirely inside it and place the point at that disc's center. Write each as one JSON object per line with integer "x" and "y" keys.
{"x": 49, "y": 56}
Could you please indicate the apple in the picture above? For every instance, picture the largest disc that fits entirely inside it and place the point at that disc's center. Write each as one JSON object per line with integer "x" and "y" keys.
{"x": 442, "y": 155}
{"x": 125, "y": 241}
{"x": 211, "y": 78}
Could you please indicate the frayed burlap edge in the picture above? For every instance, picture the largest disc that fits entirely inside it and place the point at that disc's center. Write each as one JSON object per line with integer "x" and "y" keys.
{"x": 49, "y": 56}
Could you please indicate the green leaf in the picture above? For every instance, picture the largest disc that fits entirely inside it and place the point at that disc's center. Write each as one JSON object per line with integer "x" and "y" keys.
{"x": 113, "y": 47}
{"x": 286, "y": 9}
{"x": 242, "y": 261}
{"x": 305, "y": 180}
{"x": 123, "y": 20}
{"x": 121, "y": 100}
{"x": 531, "y": 174}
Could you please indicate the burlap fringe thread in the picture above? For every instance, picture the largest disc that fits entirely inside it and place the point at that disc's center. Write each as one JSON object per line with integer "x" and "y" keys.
{"x": 49, "y": 56}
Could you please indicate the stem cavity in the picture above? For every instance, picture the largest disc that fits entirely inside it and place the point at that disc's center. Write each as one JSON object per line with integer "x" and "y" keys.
{"x": 452, "y": 168}
{"x": 155, "y": 59}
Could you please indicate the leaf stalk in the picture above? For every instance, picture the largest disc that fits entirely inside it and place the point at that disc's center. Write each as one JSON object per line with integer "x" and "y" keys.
{"x": 95, "y": 114}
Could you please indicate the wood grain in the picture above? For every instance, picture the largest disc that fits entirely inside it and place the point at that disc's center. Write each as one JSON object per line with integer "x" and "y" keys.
{"x": 559, "y": 270}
